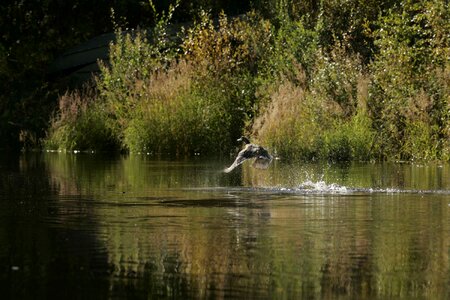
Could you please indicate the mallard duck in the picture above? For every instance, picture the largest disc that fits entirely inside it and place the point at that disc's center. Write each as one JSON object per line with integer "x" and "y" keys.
{"x": 263, "y": 158}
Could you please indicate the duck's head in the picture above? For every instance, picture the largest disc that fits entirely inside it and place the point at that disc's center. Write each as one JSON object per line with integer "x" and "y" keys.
{"x": 243, "y": 139}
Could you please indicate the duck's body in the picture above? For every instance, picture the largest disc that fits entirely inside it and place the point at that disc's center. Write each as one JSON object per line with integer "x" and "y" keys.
{"x": 261, "y": 155}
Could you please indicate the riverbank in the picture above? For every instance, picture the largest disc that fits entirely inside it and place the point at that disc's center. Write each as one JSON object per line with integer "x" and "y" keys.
{"x": 337, "y": 82}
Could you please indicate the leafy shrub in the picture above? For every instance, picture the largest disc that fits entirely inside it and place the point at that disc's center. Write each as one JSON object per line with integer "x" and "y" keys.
{"x": 327, "y": 119}
{"x": 134, "y": 58}
{"x": 227, "y": 46}
{"x": 409, "y": 88}
{"x": 335, "y": 80}
{"x": 227, "y": 57}
{"x": 156, "y": 105}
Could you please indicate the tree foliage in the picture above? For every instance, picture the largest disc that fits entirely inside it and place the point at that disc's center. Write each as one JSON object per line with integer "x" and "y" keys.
{"x": 335, "y": 79}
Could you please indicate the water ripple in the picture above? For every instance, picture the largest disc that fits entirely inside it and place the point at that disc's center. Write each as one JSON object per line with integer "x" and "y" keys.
{"x": 319, "y": 187}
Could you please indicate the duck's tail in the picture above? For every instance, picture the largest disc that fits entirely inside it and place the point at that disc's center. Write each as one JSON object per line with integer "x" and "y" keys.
{"x": 230, "y": 168}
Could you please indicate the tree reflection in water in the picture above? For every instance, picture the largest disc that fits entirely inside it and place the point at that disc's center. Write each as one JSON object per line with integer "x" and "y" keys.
{"x": 112, "y": 227}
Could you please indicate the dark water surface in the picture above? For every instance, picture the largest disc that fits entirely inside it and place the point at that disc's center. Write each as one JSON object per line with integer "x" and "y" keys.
{"x": 108, "y": 227}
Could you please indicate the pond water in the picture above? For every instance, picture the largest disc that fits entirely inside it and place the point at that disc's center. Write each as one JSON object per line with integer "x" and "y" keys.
{"x": 106, "y": 226}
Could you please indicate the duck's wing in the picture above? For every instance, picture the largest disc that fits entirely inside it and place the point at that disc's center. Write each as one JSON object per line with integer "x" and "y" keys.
{"x": 263, "y": 159}
{"x": 243, "y": 155}
{"x": 261, "y": 163}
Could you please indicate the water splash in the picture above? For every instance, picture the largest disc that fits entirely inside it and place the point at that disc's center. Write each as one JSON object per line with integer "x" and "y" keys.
{"x": 323, "y": 187}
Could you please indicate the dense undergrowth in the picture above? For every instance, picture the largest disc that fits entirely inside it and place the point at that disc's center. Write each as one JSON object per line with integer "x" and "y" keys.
{"x": 342, "y": 81}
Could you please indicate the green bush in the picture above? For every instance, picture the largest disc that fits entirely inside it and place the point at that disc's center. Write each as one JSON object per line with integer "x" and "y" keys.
{"x": 353, "y": 140}
{"x": 157, "y": 105}
{"x": 171, "y": 118}
{"x": 134, "y": 59}
{"x": 408, "y": 75}
{"x": 294, "y": 49}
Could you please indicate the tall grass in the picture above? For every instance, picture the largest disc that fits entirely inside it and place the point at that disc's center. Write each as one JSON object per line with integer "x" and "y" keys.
{"x": 80, "y": 124}
{"x": 181, "y": 117}
{"x": 311, "y": 124}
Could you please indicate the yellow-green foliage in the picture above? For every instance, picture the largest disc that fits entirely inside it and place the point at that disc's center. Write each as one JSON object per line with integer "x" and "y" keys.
{"x": 226, "y": 57}
{"x": 230, "y": 46}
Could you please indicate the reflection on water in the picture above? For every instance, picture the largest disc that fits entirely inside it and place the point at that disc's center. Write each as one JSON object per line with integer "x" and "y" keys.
{"x": 97, "y": 226}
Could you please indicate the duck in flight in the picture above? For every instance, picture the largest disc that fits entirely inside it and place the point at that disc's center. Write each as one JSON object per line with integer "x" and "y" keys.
{"x": 261, "y": 155}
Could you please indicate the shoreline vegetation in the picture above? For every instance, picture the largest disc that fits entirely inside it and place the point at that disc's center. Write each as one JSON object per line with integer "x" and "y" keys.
{"x": 339, "y": 80}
